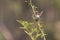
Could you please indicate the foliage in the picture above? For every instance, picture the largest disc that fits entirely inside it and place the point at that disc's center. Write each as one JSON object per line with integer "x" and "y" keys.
{"x": 33, "y": 29}
{"x": 29, "y": 28}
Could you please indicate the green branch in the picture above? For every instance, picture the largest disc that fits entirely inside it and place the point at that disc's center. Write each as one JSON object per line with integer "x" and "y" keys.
{"x": 33, "y": 29}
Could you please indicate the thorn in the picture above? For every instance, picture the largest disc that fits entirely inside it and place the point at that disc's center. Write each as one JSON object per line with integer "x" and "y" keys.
{"x": 41, "y": 13}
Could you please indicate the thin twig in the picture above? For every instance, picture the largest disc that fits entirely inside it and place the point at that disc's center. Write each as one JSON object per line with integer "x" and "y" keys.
{"x": 43, "y": 34}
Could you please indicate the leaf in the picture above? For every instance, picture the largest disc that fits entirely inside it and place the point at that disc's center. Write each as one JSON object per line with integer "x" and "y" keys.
{"x": 24, "y": 23}
{"x": 26, "y": 32}
{"x": 38, "y": 35}
{"x": 21, "y": 22}
{"x": 30, "y": 3}
{"x": 31, "y": 23}
{"x": 43, "y": 35}
{"x": 22, "y": 28}
{"x": 34, "y": 30}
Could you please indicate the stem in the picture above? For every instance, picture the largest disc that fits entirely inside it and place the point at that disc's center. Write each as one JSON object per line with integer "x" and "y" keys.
{"x": 32, "y": 37}
{"x": 32, "y": 6}
{"x": 40, "y": 27}
{"x": 43, "y": 34}
{"x": 30, "y": 34}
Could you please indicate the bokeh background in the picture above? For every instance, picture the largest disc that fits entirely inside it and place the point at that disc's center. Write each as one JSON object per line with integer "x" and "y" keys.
{"x": 12, "y": 10}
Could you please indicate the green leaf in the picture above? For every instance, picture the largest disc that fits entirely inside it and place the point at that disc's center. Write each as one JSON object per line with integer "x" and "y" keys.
{"x": 24, "y": 23}
{"x": 30, "y": 3}
{"x": 34, "y": 30}
{"x": 38, "y": 35}
{"x": 31, "y": 23}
